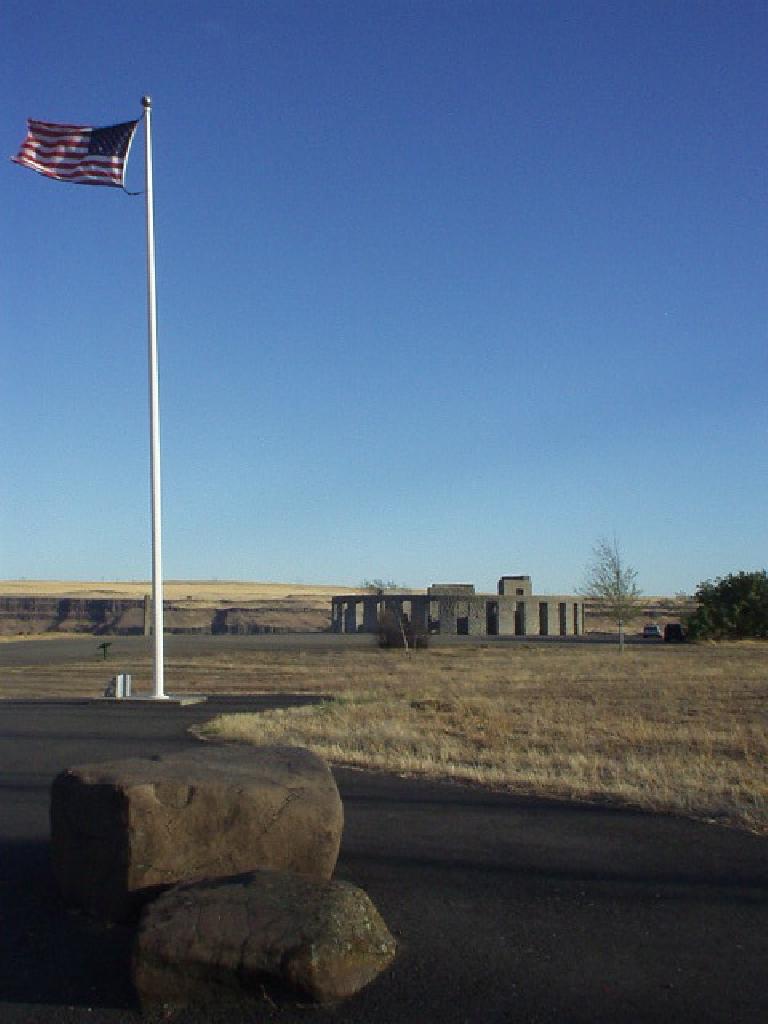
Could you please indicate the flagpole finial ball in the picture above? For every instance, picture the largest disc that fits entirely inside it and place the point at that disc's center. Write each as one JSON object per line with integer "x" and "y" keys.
{"x": 146, "y": 102}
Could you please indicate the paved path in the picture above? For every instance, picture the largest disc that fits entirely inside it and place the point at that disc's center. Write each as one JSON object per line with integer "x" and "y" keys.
{"x": 50, "y": 650}
{"x": 506, "y": 910}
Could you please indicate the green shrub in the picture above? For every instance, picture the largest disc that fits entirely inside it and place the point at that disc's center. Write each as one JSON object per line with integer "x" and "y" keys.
{"x": 731, "y": 607}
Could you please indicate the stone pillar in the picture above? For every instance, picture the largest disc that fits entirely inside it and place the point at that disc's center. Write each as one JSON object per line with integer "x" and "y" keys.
{"x": 370, "y": 614}
{"x": 447, "y": 614}
{"x": 420, "y": 613}
{"x": 531, "y": 616}
{"x": 562, "y": 617}
{"x": 570, "y": 619}
{"x": 340, "y": 615}
{"x": 477, "y": 617}
{"x": 553, "y": 617}
{"x": 506, "y": 616}
{"x": 548, "y": 609}
{"x": 350, "y": 616}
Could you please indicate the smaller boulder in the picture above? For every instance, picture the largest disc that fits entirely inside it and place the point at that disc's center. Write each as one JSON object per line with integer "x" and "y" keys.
{"x": 224, "y": 938}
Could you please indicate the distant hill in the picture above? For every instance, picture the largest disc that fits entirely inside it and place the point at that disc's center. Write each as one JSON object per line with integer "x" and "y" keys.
{"x": 191, "y": 606}
{"x": 225, "y": 606}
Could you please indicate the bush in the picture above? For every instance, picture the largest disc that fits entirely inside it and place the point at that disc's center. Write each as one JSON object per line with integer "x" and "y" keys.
{"x": 378, "y": 586}
{"x": 397, "y": 632}
{"x": 731, "y": 607}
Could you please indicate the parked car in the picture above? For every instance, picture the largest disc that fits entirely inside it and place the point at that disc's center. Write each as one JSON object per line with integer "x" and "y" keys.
{"x": 652, "y": 632}
{"x": 674, "y": 633}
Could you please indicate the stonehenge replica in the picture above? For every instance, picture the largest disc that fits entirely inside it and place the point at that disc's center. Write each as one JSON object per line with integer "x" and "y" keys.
{"x": 455, "y": 609}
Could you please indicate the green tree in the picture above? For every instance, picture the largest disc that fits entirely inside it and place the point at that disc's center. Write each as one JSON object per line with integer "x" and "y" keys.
{"x": 731, "y": 607}
{"x": 611, "y": 581}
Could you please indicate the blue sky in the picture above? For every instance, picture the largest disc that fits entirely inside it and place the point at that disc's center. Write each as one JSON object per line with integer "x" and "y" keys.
{"x": 446, "y": 290}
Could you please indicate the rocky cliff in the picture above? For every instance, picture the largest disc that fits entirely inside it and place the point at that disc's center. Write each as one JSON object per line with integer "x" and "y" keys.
{"x": 23, "y": 615}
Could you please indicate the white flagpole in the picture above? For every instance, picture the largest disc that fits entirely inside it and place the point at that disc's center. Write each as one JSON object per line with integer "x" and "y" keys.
{"x": 154, "y": 416}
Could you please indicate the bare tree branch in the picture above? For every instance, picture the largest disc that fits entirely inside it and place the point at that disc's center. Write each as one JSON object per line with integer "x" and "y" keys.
{"x": 609, "y": 580}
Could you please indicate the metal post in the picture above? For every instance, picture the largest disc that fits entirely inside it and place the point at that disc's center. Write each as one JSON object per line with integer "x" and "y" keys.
{"x": 154, "y": 416}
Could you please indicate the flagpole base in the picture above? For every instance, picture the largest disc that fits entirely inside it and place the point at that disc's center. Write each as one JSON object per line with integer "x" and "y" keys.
{"x": 177, "y": 699}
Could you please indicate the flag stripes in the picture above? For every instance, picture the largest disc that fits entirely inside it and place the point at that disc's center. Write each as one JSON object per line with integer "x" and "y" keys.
{"x": 77, "y": 153}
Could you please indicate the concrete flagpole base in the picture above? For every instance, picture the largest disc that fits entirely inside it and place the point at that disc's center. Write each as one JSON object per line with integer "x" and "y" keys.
{"x": 168, "y": 698}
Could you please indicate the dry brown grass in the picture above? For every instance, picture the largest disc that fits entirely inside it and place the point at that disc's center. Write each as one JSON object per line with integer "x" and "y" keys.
{"x": 681, "y": 730}
{"x": 206, "y": 591}
{"x": 292, "y": 606}
{"x": 672, "y": 729}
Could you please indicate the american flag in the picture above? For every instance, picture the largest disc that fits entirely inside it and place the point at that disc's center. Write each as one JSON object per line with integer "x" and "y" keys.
{"x": 72, "y": 152}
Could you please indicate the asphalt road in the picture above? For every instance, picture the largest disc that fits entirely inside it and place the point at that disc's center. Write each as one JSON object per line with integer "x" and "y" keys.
{"x": 505, "y": 909}
{"x": 79, "y": 647}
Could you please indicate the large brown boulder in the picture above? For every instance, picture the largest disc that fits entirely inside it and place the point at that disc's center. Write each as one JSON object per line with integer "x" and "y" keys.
{"x": 222, "y": 939}
{"x": 122, "y": 831}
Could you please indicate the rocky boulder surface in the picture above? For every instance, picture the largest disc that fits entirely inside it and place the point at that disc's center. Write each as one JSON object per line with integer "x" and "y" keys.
{"x": 123, "y": 831}
{"x": 223, "y": 938}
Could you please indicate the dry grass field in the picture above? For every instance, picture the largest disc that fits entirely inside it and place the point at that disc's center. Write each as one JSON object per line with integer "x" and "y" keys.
{"x": 205, "y": 591}
{"x": 677, "y": 729}
{"x": 293, "y": 606}
{"x": 683, "y": 730}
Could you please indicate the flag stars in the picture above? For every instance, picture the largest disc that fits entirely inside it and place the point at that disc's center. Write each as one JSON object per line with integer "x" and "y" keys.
{"x": 112, "y": 141}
